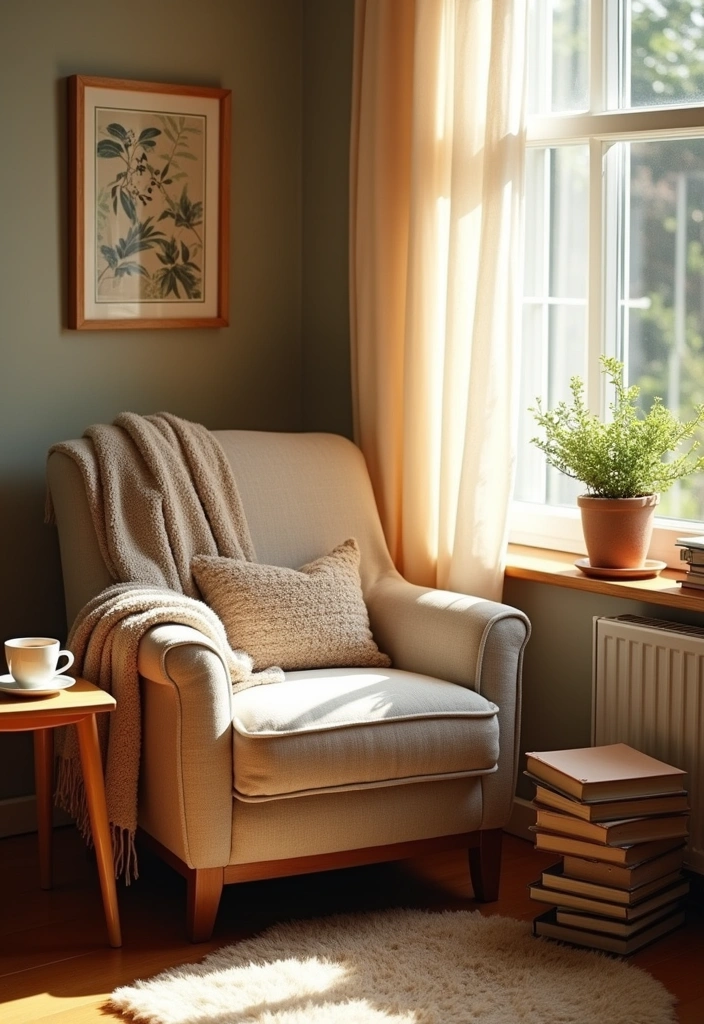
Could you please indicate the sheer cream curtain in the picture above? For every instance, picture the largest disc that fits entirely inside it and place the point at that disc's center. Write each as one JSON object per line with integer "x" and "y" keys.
{"x": 435, "y": 250}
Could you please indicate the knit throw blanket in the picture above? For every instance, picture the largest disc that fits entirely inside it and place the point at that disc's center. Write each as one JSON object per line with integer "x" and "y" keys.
{"x": 160, "y": 490}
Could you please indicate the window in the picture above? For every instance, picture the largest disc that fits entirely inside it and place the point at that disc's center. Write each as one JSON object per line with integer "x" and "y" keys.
{"x": 614, "y": 232}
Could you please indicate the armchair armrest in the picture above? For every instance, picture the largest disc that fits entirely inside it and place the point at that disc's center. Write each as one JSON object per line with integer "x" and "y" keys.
{"x": 465, "y": 640}
{"x": 454, "y": 636}
{"x": 187, "y": 745}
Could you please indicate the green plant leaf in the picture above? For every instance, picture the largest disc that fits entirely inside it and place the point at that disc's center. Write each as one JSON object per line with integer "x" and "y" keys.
{"x": 141, "y": 236}
{"x": 118, "y": 131}
{"x": 187, "y": 279}
{"x": 185, "y": 154}
{"x": 629, "y": 455}
{"x": 169, "y": 248}
{"x": 108, "y": 149}
{"x": 148, "y": 133}
{"x": 131, "y": 268}
{"x": 169, "y": 279}
{"x": 128, "y": 205}
{"x": 110, "y": 256}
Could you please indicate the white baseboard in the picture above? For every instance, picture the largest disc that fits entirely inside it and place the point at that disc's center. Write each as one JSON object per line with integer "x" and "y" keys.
{"x": 522, "y": 817}
{"x": 19, "y": 815}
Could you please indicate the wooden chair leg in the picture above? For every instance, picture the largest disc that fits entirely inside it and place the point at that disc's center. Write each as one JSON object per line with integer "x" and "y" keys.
{"x": 485, "y": 865}
{"x": 204, "y": 891}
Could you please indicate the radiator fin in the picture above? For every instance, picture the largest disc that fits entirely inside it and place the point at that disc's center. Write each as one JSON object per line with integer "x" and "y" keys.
{"x": 648, "y": 692}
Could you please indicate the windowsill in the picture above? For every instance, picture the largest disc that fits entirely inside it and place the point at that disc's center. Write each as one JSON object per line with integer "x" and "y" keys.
{"x": 558, "y": 569}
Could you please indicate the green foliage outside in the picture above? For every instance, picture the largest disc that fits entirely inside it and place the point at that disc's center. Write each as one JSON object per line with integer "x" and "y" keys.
{"x": 625, "y": 457}
{"x": 667, "y": 51}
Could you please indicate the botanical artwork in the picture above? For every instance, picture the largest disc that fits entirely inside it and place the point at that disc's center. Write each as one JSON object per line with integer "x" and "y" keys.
{"x": 149, "y": 216}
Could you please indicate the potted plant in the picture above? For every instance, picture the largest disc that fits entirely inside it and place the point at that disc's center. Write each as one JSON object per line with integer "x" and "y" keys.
{"x": 622, "y": 463}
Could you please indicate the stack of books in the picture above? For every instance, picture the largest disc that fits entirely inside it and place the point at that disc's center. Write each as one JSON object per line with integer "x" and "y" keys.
{"x": 692, "y": 554}
{"x": 619, "y": 819}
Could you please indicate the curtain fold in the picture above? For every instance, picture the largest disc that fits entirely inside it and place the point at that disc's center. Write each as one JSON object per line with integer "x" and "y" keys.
{"x": 436, "y": 176}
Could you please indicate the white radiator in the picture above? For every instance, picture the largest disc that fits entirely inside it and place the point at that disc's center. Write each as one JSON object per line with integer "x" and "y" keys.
{"x": 648, "y": 691}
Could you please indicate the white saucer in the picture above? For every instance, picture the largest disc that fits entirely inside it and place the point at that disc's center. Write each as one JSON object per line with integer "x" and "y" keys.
{"x": 8, "y": 685}
{"x": 650, "y": 569}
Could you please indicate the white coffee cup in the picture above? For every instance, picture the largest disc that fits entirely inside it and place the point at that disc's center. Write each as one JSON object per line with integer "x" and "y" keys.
{"x": 33, "y": 660}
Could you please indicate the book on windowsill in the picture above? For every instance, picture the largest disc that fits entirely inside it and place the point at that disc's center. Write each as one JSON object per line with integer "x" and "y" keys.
{"x": 622, "y": 832}
{"x": 694, "y": 558}
{"x": 625, "y": 856}
{"x": 546, "y": 925}
{"x": 610, "y": 810}
{"x": 696, "y": 543}
{"x": 612, "y": 911}
{"x": 626, "y": 877}
{"x": 691, "y": 584}
{"x": 614, "y": 771}
{"x": 562, "y": 885}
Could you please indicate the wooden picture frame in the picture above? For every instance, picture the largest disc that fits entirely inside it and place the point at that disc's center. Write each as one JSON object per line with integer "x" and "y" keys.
{"x": 149, "y": 179}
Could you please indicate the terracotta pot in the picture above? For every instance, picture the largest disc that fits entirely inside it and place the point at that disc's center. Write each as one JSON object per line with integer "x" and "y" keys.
{"x": 617, "y": 531}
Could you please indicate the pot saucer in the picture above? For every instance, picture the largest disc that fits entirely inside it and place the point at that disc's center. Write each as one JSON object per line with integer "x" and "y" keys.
{"x": 648, "y": 571}
{"x": 58, "y": 683}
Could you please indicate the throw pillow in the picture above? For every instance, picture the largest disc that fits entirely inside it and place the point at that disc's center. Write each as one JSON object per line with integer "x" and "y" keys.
{"x": 312, "y": 617}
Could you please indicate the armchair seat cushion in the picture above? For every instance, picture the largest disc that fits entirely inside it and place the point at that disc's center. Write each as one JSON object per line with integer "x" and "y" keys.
{"x": 327, "y": 730}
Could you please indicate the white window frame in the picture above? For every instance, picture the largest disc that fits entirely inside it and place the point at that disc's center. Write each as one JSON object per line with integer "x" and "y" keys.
{"x": 555, "y": 527}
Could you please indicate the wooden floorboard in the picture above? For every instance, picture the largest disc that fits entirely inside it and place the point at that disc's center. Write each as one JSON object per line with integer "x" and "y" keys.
{"x": 56, "y": 966}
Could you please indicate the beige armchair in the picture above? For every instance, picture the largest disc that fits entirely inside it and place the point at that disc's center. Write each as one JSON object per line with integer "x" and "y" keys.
{"x": 329, "y": 768}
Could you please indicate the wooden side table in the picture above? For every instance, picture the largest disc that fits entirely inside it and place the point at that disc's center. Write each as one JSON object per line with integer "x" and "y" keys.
{"x": 77, "y": 705}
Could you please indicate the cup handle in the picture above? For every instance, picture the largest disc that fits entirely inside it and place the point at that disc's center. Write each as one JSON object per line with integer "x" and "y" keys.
{"x": 65, "y": 654}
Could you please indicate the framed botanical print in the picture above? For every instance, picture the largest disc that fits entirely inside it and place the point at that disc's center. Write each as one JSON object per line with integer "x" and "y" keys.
{"x": 149, "y": 178}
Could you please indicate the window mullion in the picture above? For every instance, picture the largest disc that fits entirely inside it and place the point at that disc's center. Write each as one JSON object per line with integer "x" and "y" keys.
{"x": 621, "y": 12}
{"x": 595, "y": 288}
{"x": 598, "y": 13}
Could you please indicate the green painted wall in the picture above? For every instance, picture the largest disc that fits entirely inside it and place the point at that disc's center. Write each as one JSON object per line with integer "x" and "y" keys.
{"x": 55, "y": 382}
{"x": 328, "y": 30}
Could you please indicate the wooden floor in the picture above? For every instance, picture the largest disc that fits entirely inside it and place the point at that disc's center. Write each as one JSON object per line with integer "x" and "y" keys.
{"x": 55, "y": 964}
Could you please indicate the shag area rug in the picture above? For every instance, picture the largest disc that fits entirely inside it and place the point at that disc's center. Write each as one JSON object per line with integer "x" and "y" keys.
{"x": 400, "y": 967}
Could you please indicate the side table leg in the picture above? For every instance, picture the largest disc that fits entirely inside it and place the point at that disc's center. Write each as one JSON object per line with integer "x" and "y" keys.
{"x": 44, "y": 786}
{"x": 95, "y": 794}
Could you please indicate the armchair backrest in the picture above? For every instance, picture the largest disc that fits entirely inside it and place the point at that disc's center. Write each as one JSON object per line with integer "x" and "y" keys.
{"x": 302, "y": 495}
